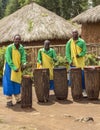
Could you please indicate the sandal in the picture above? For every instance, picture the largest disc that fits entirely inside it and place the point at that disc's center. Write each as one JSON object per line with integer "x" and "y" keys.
{"x": 9, "y": 104}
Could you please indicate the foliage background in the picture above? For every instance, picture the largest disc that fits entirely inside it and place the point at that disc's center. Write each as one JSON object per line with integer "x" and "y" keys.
{"x": 65, "y": 8}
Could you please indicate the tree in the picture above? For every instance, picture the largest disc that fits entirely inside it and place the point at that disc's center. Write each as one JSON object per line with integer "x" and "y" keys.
{"x": 24, "y": 2}
{"x": 1, "y": 9}
{"x": 96, "y": 2}
{"x": 66, "y": 9}
{"x": 78, "y": 6}
{"x": 12, "y": 6}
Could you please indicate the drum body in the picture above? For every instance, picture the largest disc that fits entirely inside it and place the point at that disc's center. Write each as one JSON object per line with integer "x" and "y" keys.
{"x": 60, "y": 83}
{"x": 76, "y": 83}
{"x": 41, "y": 83}
{"x": 26, "y": 95}
{"x": 92, "y": 82}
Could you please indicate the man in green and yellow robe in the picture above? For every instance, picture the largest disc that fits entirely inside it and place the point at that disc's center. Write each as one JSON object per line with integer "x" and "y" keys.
{"x": 15, "y": 57}
{"x": 75, "y": 52}
{"x": 46, "y": 57}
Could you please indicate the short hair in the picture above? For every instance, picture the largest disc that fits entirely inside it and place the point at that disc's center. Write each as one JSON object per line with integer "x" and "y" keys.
{"x": 74, "y": 30}
{"x": 17, "y": 35}
{"x": 46, "y": 41}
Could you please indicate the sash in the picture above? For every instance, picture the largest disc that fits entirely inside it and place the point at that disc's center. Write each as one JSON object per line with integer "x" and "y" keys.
{"x": 75, "y": 50}
{"x": 16, "y": 76}
{"x": 47, "y": 62}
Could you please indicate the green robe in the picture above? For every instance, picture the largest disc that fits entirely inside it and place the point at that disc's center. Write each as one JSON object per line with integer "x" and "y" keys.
{"x": 51, "y": 53}
{"x": 81, "y": 43}
{"x": 8, "y": 56}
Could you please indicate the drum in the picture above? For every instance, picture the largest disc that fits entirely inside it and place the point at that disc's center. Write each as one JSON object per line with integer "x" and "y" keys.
{"x": 76, "y": 83}
{"x": 26, "y": 95}
{"x": 60, "y": 83}
{"x": 98, "y": 69}
{"x": 41, "y": 83}
{"x": 92, "y": 81}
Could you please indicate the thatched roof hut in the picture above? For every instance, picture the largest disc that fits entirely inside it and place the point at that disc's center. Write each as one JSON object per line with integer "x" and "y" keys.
{"x": 90, "y": 21}
{"x": 35, "y": 24}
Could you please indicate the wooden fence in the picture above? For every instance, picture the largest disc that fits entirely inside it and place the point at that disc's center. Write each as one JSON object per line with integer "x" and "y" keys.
{"x": 32, "y": 51}
{"x": 93, "y": 49}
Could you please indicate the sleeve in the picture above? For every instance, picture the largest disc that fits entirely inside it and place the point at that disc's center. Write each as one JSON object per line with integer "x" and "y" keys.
{"x": 8, "y": 58}
{"x": 23, "y": 55}
{"x": 68, "y": 52}
{"x": 54, "y": 54}
{"x": 39, "y": 58}
{"x": 83, "y": 52}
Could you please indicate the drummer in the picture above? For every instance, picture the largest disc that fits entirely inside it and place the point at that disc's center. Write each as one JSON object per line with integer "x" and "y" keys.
{"x": 75, "y": 52}
{"x": 46, "y": 58}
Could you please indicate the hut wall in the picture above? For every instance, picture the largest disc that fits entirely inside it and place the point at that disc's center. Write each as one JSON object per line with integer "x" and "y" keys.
{"x": 91, "y": 32}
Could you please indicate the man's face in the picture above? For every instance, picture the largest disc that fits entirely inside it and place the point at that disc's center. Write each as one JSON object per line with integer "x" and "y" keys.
{"x": 75, "y": 34}
{"x": 46, "y": 46}
{"x": 17, "y": 39}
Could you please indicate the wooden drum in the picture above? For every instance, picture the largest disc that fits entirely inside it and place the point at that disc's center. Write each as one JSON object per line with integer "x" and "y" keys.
{"x": 60, "y": 83}
{"x": 41, "y": 83}
{"x": 92, "y": 81}
{"x": 26, "y": 95}
{"x": 76, "y": 83}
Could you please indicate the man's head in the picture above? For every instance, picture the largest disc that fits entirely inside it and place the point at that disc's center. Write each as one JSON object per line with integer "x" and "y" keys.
{"x": 75, "y": 34}
{"x": 46, "y": 45}
{"x": 17, "y": 39}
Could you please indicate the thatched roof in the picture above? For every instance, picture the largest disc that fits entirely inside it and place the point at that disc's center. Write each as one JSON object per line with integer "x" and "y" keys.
{"x": 34, "y": 23}
{"x": 91, "y": 15}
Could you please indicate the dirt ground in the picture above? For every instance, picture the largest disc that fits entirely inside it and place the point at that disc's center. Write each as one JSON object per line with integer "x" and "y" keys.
{"x": 54, "y": 115}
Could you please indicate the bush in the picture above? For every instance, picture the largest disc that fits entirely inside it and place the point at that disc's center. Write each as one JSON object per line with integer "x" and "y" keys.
{"x": 61, "y": 61}
{"x": 91, "y": 59}
{"x": 2, "y": 53}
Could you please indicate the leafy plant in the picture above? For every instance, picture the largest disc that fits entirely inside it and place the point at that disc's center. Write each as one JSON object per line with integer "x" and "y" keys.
{"x": 2, "y": 52}
{"x": 28, "y": 70}
{"x": 61, "y": 61}
{"x": 91, "y": 59}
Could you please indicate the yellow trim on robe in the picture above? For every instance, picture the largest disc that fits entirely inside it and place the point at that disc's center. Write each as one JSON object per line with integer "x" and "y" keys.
{"x": 16, "y": 76}
{"x": 39, "y": 66}
{"x": 75, "y": 50}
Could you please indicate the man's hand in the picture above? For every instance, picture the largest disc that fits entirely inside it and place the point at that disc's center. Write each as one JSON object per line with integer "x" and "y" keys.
{"x": 71, "y": 64}
{"x": 23, "y": 66}
{"x": 55, "y": 60}
{"x": 77, "y": 56}
{"x": 16, "y": 70}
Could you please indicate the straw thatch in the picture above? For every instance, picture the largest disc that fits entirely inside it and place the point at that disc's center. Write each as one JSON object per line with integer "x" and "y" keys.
{"x": 89, "y": 16}
{"x": 34, "y": 23}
